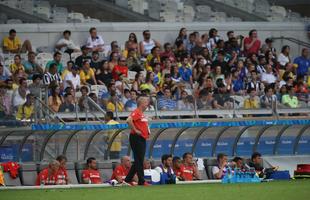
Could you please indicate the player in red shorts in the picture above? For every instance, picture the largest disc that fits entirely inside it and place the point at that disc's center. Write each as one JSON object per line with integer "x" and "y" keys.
{"x": 91, "y": 175}
{"x": 49, "y": 175}
{"x": 62, "y": 175}
{"x": 122, "y": 170}
{"x": 189, "y": 170}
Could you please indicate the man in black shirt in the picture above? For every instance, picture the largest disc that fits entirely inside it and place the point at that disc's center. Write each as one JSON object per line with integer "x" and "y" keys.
{"x": 220, "y": 62}
{"x": 257, "y": 163}
{"x": 79, "y": 60}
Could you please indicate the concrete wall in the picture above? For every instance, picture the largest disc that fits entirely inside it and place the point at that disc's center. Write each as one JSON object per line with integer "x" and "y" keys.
{"x": 48, "y": 34}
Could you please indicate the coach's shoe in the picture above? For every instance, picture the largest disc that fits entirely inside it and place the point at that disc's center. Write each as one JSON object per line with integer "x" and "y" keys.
{"x": 146, "y": 184}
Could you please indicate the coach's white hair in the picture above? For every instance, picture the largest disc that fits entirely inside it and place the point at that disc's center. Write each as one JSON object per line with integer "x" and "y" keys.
{"x": 141, "y": 99}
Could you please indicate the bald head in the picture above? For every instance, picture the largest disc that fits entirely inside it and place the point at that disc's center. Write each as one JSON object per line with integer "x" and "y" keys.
{"x": 125, "y": 161}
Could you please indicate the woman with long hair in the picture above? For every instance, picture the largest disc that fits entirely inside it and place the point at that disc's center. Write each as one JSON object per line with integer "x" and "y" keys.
{"x": 138, "y": 81}
{"x": 55, "y": 100}
{"x": 182, "y": 36}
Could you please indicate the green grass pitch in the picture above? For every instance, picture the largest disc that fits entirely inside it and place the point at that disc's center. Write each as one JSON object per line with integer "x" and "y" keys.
{"x": 278, "y": 190}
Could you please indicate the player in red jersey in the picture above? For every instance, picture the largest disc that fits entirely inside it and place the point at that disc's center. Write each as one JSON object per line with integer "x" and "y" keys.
{"x": 49, "y": 175}
{"x": 91, "y": 175}
{"x": 62, "y": 175}
{"x": 140, "y": 131}
{"x": 122, "y": 170}
{"x": 177, "y": 167}
{"x": 189, "y": 171}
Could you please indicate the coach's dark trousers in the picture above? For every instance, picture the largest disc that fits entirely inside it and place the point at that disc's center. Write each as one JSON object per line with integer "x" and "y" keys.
{"x": 138, "y": 145}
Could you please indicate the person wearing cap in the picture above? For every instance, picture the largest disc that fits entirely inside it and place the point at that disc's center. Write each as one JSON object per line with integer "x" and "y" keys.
{"x": 72, "y": 79}
{"x": 66, "y": 43}
{"x": 79, "y": 60}
{"x": 95, "y": 41}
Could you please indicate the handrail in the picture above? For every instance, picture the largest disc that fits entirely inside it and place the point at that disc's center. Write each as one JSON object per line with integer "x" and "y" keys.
{"x": 50, "y": 110}
{"x": 294, "y": 40}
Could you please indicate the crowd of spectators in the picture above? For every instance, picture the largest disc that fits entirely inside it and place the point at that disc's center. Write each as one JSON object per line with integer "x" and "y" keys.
{"x": 197, "y": 70}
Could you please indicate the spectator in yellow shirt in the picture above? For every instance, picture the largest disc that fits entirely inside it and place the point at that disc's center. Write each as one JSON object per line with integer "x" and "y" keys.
{"x": 17, "y": 65}
{"x": 290, "y": 100}
{"x": 12, "y": 44}
{"x": 252, "y": 101}
{"x": 116, "y": 146}
{"x": 26, "y": 111}
{"x": 87, "y": 74}
{"x": 115, "y": 103}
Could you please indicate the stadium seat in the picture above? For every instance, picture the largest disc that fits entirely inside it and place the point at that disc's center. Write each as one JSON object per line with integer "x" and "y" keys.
{"x": 79, "y": 167}
{"x": 209, "y": 163}
{"x": 106, "y": 170}
{"x": 28, "y": 173}
{"x": 203, "y": 174}
{"x": 9, "y": 181}
{"x": 71, "y": 173}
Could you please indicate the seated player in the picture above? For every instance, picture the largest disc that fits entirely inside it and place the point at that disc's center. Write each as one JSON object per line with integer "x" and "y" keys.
{"x": 220, "y": 170}
{"x": 121, "y": 171}
{"x": 49, "y": 175}
{"x": 237, "y": 163}
{"x": 177, "y": 165}
{"x": 165, "y": 170}
{"x": 189, "y": 170}
{"x": 257, "y": 163}
{"x": 62, "y": 177}
{"x": 151, "y": 176}
{"x": 91, "y": 175}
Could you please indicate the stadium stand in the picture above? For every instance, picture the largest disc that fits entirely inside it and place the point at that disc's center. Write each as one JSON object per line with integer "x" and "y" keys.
{"x": 211, "y": 91}
{"x": 149, "y": 10}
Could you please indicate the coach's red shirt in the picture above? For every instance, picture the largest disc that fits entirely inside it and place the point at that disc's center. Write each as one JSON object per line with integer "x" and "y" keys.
{"x": 93, "y": 175}
{"x": 140, "y": 122}
{"x": 47, "y": 179}
{"x": 62, "y": 176}
{"x": 120, "y": 171}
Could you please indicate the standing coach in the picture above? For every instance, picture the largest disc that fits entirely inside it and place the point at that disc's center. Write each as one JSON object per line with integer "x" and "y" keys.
{"x": 139, "y": 133}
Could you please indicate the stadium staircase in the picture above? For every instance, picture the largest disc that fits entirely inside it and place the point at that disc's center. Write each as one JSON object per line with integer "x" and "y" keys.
{"x": 19, "y": 14}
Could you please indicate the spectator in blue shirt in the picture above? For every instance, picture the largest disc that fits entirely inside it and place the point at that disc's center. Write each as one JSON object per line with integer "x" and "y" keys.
{"x": 166, "y": 102}
{"x": 131, "y": 104}
{"x": 185, "y": 72}
{"x": 303, "y": 63}
{"x": 4, "y": 73}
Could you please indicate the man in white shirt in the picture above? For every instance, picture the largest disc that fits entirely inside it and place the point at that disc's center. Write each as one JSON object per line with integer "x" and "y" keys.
{"x": 72, "y": 79}
{"x": 94, "y": 41}
{"x": 268, "y": 77}
{"x": 66, "y": 43}
{"x": 219, "y": 170}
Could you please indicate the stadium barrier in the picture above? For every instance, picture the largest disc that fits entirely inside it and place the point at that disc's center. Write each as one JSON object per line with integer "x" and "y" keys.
{"x": 202, "y": 138}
